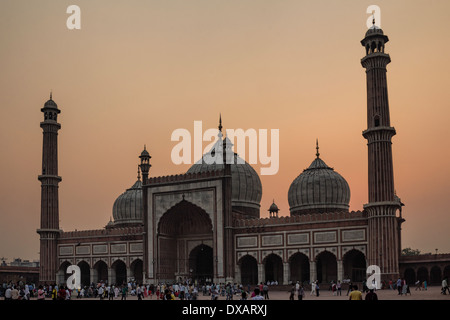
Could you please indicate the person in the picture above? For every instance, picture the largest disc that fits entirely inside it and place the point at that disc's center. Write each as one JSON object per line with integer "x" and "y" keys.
{"x": 339, "y": 288}
{"x": 317, "y": 288}
{"x": 391, "y": 284}
{"x": 333, "y": 288}
{"x": 266, "y": 291}
{"x": 257, "y": 295}
{"x": 355, "y": 294}
{"x": 293, "y": 291}
{"x": 301, "y": 293}
{"x": 100, "y": 293}
{"x": 26, "y": 292}
{"x": 139, "y": 292}
{"x": 404, "y": 289}
{"x": 313, "y": 288}
{"x": 399, "y": 286}
{"x": 41, "y": 293}
{"x": 168, "y": 295}
{"x": 8, "y": 294}
{"x": 371, "y": 295}
{"x": 425, "y": 285}
{"x": 67, "y": 293}
{"x": 243, "y": 295}
{"x": 62, "y": 293}
{"x": 445, "y": 286}
{"x": 14, "y": 293}
{"x": 124, "y": 292}
{"x": 418, "y": 285}
{"x": 350, "y": 288}
{"x": 54, "y": 293}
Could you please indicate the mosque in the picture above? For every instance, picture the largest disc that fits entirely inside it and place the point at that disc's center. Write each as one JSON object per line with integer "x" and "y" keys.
{"x": 205, "y": 224}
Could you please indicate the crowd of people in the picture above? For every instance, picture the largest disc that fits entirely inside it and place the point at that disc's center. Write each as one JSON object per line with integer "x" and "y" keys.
{"x": 103, "y": 291}
{"x": 190, "y": 291}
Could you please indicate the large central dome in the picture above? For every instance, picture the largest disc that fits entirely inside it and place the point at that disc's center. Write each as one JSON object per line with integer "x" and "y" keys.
{"x": 246, "y": 185}
{"x": 318, "y": 189}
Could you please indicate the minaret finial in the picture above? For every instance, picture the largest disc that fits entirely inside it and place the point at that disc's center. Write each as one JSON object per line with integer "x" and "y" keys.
{"x": 220, "y": 122}
{"x": 51, "y": 94}
{"x": 145, "y": 147}
{"x": 317, "y": 148}
{"x": 373, "y": 20}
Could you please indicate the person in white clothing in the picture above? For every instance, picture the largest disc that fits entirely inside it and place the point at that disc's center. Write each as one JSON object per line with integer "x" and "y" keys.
{"x": 313, "y": 288}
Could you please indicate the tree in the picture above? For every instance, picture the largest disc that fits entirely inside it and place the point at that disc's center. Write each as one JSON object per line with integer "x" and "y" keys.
{"x": 410, "y": 252}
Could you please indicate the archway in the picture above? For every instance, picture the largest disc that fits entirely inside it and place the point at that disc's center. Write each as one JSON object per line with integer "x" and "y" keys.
{"x": 120, "y": 270}
{"x": 355, "y": 266}
{"x": 249, "y": 270}
{"x": 273, "y": 268}
{"x": 100, "y": 271}
{"x": 299, "y": 267}
{"x": 447, "y": 272}
{"x": 137, "y": 267}
{"x": 62, "y": 275}
{"x": 326, "y": 267}
{"x": 201, "y": 264}
{"x": 85, "y": 273}
{"x": 410, "y": 276}
{"x": 422, "y": 274}
{"x": 185, "y": 222}
{"x": 435, "y": 275}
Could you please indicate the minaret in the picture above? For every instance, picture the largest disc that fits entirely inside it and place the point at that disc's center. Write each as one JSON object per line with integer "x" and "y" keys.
{"x": 383, "y": 225}
{"x": 145, "y": 164}
{"x": 145, "y": 169}
{"x": 49, "y": 230}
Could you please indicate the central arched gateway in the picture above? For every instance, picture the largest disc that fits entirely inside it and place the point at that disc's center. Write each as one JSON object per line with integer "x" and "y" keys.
{"x": 201, "y": 265}
{"x": 185, "y": 244}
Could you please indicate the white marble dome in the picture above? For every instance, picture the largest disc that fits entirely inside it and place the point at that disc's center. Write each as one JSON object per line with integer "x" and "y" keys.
{"x": 318, "y": 189}
{"x": 127, "y": 209}
{"x": 246, "y": 185}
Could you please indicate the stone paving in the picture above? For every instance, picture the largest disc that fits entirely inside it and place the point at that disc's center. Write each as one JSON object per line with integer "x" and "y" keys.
{"x": 433, "y": 293}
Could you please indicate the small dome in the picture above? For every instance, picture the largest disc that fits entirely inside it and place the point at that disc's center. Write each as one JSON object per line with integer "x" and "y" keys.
{"x": 273, "y": 207}
{"x": 127, "y": 208}
{"x": 318, "y": 189}
{"x": 145, "y": 153}
{"x": 374, "y": 30}
{"x": 246, "y": 185}
{"x": 50, "y": 104}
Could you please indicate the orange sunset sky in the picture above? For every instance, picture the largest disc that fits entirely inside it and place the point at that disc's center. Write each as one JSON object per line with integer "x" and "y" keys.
{"x": 138, "y": 70}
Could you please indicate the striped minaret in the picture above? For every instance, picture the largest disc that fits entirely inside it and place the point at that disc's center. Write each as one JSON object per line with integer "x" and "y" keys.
{"x": 49, "y": 230}
{"x": 383, "y": 225}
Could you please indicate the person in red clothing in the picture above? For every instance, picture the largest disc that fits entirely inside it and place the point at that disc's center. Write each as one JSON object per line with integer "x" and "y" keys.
{"x": 62, "y": 293}
{"x": 371, "y": 295}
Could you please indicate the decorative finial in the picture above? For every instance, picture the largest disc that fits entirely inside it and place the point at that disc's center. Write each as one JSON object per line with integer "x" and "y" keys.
{"x": 317, "y": 148}
{"x": 373, "y": 20}
{"x": 50, "y": 94}
{"x": 139, "y": 173}
{"x": 220, "y": 122}
{"x": 183, "y": 196}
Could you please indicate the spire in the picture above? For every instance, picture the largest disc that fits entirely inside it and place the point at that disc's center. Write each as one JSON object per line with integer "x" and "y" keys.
{"x": 51, "y": 95}
{"x": 373, "y": 20}
{"x": 220, "y": 135}
{"x": 317, "y": 148}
